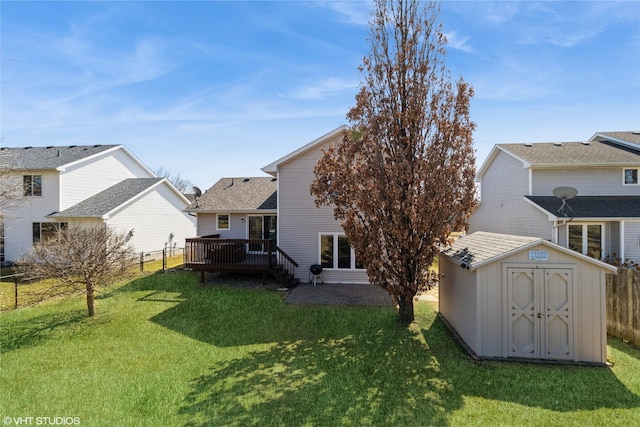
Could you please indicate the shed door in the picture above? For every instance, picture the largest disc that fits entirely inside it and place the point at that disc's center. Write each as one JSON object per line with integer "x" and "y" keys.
{"x": 540, "y": 313}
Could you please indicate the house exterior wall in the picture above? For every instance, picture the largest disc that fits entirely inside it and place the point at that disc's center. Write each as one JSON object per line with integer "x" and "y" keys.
{"x": 458, "y": 301}
{"x": 592, "y": 181}
{"x": 632, "y": 240}
{"x": 19, "y": 219}
{"x": 154, "y": 217}
{"x": 80, "y": 181}
{"x": 300, "y": 222}
{"x": 503, "y": 208}
{"x": 589, "y": 311}
{"x": 239, "y": 228}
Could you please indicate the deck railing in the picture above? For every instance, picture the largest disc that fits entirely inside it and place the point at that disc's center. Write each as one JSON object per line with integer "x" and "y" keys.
{"x": 236, "y": 255}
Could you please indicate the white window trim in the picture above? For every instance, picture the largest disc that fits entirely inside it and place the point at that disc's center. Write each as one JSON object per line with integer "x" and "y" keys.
{"x": 603, "y": 238}
{"x": 637, "y": 175}
{"x": 335, "y": 253}
{"x": 228, "y": 222}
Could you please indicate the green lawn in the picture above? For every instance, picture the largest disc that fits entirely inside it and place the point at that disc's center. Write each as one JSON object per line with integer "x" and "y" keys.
{"x": 165, "y": 351}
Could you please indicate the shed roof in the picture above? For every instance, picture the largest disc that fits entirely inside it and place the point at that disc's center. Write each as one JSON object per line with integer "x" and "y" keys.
{"x": 101, "y": 204}
{"x": 481, "y": 248}
{"x": 51, "y": 157}
{"x": 238, "y": 195}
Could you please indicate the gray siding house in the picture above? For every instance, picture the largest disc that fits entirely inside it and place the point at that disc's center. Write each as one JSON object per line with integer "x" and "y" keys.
{"x": 280, "y": 207}
{"x": 517, "y": 183}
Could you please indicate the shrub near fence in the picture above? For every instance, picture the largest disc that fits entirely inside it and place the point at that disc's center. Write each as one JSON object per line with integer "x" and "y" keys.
{"x": 623, "y": 305}
{"x": 18, "y": 290}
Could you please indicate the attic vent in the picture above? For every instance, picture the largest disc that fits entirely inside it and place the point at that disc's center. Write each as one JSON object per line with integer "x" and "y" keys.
{"x": 558, "y": 144}
{"x": 528, "y": 144}
{"x": 586, "y": 143}
{"x": 274, "y": 179}
{"x": 246, "y": 180}
{"x": 50, "y": 146}
{"x": 97, "y": 145}
{"x": 72, "y": 146}
{"x": 26, "y": 148}
{"x": 636, "y": 132}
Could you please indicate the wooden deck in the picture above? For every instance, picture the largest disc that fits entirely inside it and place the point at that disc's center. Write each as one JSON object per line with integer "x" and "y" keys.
{"x": 238, "y": 256}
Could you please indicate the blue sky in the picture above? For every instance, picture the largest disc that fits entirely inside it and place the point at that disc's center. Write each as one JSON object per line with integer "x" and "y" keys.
{"x": 210, "y": 89}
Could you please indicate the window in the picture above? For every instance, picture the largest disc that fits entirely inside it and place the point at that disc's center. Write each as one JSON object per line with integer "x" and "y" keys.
{"x": 336, "y": 252}
{"x": 222, "y": 222}
{"x": 630, "y": 176}
{"x": 46, "y": 230}
{"x": 586, "y": 239}
{"x": 32, "y": 185}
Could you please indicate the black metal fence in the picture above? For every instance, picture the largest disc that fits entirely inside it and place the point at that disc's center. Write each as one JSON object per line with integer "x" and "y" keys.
{"x": 19, "y": 289}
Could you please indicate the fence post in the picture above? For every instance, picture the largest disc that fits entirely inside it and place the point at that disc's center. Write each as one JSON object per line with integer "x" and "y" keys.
{"x": 15, "y": 284}
{"x": 164, "y": 258}
{"x": 141, "y": 262}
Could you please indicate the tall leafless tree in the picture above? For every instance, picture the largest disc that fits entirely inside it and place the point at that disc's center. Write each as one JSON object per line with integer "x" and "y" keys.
{"x": 182, "y": 185}
{"x": 81, "y": 258}
{"x": 401, "y": 181}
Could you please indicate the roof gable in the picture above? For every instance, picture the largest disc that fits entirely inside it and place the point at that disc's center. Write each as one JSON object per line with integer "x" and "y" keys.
{"x": 626, "y": 139}
{"x": 481, "y": 248}
{"x": 272, "y": 168}
{"x": 102, "y": 204}
{"x": 238, "y": 194}
{"x": 589, "y": 207}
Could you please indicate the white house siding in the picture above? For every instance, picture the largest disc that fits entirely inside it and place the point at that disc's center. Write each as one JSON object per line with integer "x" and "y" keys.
{"x": 300, "y": 222}
{"x": 207, "y": 224}
{"x": 592, "y": 181}
{"x": 503, "y": 208}
{"x": 458, "y": 293}
{"x": 19, "y": 221}
{"x": 90, "y": 177}
{"x": 154, "y": 217}
{"x": 632, "y": 240}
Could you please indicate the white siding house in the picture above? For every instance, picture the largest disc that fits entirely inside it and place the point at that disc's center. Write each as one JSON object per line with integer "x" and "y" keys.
{"x": 515, "y": 297}
{"x": 280, "y": 207}
{"x": 517, "y": 183}
{"x": 90, "y": 184}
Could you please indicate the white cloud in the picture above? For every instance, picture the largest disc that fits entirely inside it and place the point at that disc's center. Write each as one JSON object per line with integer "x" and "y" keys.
{"x": 456, "y": 42}
{"x": 353, "y": 12}
{"x": 322, "y": 89}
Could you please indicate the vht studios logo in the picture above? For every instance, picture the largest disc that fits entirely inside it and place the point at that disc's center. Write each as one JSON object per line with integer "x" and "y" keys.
{"x": 41, "y": 421}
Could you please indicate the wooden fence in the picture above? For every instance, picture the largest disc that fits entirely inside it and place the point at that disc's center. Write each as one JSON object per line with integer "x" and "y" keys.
{"x": 623, "y": 305}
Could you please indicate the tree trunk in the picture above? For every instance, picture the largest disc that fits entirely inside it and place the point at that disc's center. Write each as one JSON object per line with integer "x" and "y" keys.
{"x": 90, "y": 300}
{"x": 405, "y": 309}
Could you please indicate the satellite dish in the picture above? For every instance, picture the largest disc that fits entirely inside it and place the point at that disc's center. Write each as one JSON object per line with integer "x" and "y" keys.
{"x": 565, "y": 193}
{"x": 197, "y": 192}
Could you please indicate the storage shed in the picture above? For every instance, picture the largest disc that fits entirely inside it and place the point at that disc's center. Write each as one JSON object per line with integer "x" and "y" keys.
{"x": 524, "y": 297}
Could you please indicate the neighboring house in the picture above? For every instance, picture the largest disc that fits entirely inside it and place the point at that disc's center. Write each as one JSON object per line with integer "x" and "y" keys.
{"x": 90, "y": 184}
{"x": 517, "y": 183}
{"x": 282, "y": 208}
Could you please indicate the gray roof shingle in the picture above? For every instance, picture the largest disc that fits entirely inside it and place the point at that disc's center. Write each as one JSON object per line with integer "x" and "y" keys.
{"x": 591, "y": 206}
{"x": 104, "y": 202}
{"x": 239, "y": 194}
{"x": 594, "y": 153}
{"x": 481, "y": 247}
{"x": 51, "y": 157}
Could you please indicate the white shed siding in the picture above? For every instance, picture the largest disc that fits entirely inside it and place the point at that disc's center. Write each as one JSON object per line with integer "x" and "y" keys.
{"x": 503, "y": 208}
{"x": 458, "y": 301}
{"x": 85, "y": 179}
{"x": 154, "y": 217}
{"x": 488, "y": 336}
{"x": 19, "y": 221}
{"x": 300, "y": 221}
{"x": 592, "y": 181}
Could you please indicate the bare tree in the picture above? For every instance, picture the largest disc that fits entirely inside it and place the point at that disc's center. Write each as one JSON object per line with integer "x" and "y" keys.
{"x": 402, "y": 180}
{"x": 11, "y": 183}
{"x": 81, "y": 258}
{"x": 181, "y": 184}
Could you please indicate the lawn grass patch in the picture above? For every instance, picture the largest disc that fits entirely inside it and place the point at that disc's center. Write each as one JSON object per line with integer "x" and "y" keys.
{"x": 166, "y": 350}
